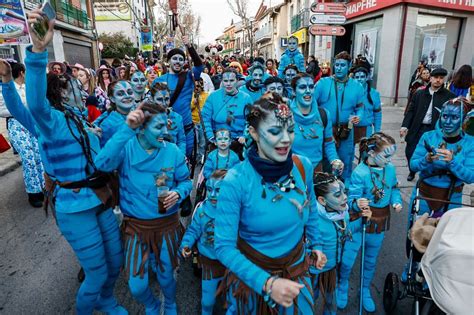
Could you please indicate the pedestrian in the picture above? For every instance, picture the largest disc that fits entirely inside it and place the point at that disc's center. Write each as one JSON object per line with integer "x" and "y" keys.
{"x": 326, "y": 69}
{"x": 217, "y": 77}
{"x": 271, "y": 70}
{"x": 462, "y": 82}
{"x": 197, "y": 103}
{"x": 222, "y": 158}
{"x": 92, "y": 111}
{"x": 423, "y": 112}
{"x": 274, "y": 84}
{"x": 258, "y": 255}
{"x": 57, "y": 67}
{"x": 254, "y": 87}
{"x": 102, "y": 83}
{"x": 313, "y": 68}
{"x": 373, "y": 186}
{"x": 289, "y": 74}
{"x": 154, "y": 179}
{"x": 208, "y": 85}
{"x": 151, "y": 73}
{"x": 291, "y": 56}
{"x": 87, "y": 80}
{"x": 139, "y": 84}
{"x": 420, "y": 83}
{"x": 104, "y": 78}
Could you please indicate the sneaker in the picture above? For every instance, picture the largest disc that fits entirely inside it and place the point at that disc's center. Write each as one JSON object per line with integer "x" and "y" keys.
{"x": 36, "y": 200}
{"x": 411, "y": 176}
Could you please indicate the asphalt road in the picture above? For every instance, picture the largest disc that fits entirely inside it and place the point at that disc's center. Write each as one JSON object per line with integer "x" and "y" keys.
{"x": 38, "y": 269}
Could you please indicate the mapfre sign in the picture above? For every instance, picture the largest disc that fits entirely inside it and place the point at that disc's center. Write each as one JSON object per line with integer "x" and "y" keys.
{"x": 361, "y": 7}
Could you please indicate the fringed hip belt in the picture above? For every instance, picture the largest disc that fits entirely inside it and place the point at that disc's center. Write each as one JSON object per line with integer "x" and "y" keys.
{"x": 285, "y": 267}
{"x": 211, "y": 268}
{"x": 326, "y": 282}
{"x": 379, "y": 222}
{"x": 145, "y": 236}
{"x": 427, "y": 190}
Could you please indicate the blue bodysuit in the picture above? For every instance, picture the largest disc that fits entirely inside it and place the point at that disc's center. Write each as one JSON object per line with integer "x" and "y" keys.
{"x": 372, "y": 118}
{"x": 109, "y": 122}
{"x": 254, "y": 93}
{"x": 176, "y": 130}
{"x": 291, "y": 58}
{"x": 215, "y": 162}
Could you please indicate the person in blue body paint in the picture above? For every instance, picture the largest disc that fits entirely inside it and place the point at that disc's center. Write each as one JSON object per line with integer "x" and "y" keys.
{"x": 160, "y": 94}
{"x": 181, "y": 103}
{"x": 67, "y": 149}
{"x": 154, "y": 179}
{"x": 291, "y": 56}
{"x": 224, "y": 109}
{"x": 313, "y": 136}
{"x": 371, "y": 120}
{"x": 274, "y": 85}
{"x": 289, "y": 74}
{"x": 121, "y": 96}
{"x": 343, "y": 97}
{"x": 450, "y": 162}
{"x": 139, "y": 83}
{"x": 254, "y": 87}
{"x": 256, "y": 243}
{"x": 222, "y": 157}
{"x": 333, "y": 224}
{"x": 373, "y": 185}
{"x": 201, "y": 231}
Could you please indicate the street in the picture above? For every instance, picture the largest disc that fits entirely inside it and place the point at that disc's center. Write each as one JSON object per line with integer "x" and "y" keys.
{"x": 38, "y": 269}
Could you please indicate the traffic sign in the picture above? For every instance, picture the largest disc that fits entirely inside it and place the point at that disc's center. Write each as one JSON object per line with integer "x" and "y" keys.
{"x": 327, "y": 19}
{"x": 328, "y": 7}
{"x": 327, "y": 30}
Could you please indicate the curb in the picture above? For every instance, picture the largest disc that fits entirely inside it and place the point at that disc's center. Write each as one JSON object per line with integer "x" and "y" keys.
{"x": 9, "y": 167}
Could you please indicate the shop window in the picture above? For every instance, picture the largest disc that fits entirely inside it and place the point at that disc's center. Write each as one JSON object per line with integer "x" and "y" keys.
{"x": 436, "y": 41}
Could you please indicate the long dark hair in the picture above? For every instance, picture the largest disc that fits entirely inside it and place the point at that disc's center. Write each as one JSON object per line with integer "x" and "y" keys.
{"x": 321, "y": 183}
{"x": 463, "y": 77}
{"x": 375, "y": 142}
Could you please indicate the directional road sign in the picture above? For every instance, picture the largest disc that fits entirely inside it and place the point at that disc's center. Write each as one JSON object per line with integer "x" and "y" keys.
{"x": 327, "y": 19}
{"x": 328, "y": 8}
{"x": 327, "y": 30}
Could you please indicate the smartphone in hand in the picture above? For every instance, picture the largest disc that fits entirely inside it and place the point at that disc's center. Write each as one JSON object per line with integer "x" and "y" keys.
{"x": 41, "y": 27}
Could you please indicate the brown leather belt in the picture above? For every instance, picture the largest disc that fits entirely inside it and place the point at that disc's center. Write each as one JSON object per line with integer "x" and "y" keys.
{"x": 427, "y": 190}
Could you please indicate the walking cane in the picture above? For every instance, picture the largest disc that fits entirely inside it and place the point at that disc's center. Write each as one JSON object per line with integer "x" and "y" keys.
{"x": 362, "y": 257}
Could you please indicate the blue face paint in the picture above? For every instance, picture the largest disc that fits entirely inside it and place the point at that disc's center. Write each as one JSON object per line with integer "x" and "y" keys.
{"x": 341, "y": 68}
{"x": 450, "y": 120}
{"x": 138, "y": 82}
{"x": 275, "y": 88}
{"x": 304, "y": 92}
{"x": 292, "y": 44}
{"x": 275, "y": 138}
{"x": 177, "y": 63}
{"x": 336, "y": 198}
{"x": 123, "y": 97}
{"x": 72, "y": 94}
{"x": 156, "y": 131}
{"x": 361, "y": 77}
{"x": 213, "y": 187}
{"x": 289, "y": 75}
{"x": 223, "y": 139}
{"x": 229, "y": 82}
{"x": 162, "y": 97}
{"x": 385, "y": 156}
{"x": 257, "y": 76}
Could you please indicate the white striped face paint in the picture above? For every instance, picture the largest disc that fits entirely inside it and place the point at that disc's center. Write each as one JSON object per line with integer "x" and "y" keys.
{"x": 385, "y": 156}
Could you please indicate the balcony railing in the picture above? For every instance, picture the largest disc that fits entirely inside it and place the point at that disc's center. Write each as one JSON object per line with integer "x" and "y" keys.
{"x": 300, "y": 20}
{"x": 68, "y": 13}
{"x": 265, "y": 33}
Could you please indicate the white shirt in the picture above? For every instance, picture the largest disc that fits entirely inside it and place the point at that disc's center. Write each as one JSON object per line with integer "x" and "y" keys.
{"x": 208, "y": 86}
{"x": 429, "y": 112}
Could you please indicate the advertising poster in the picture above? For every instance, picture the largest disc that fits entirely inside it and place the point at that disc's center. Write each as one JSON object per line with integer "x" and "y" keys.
{"x": 13, "y": 30}
{"x": 433, "y": 49}
{"x": 112, "y": 11}
{"x": 367, "y": 44}
{"x": 146, "y": 39}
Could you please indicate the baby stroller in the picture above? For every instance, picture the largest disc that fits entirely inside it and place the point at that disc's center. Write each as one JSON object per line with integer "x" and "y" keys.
{"x": 414, "y": 284}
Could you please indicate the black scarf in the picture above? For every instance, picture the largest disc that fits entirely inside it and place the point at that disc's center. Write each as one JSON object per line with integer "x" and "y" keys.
{"x": 270, "y": 171}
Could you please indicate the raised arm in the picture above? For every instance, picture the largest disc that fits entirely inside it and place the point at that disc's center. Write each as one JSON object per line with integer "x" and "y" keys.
{"x": 113, "y": 153}
{"x": 193, "y": 231}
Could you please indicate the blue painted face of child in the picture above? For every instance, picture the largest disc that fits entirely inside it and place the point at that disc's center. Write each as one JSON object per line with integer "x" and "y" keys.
{"x": 156, "y": 131}
{"x": 292, "y": 44}
{"x": 257, "y": 76}
{"x": 341, "y": 68}
{"x": 385, "y": 156}
{"x": 275, "y": 88}
{"x": 162, "y": 97}
{"x": 361, "y": 77}
{"x": 213, "y": 187}
{"x": 336, "y": 198}
{"x": 450, "y": 120}
{"x": 123, "y": 97}
{"x": 223, "y": 139}
{"x": 289, "y": 75}
{"x": 138, "y": 82}
{"x": 304, "y": 92}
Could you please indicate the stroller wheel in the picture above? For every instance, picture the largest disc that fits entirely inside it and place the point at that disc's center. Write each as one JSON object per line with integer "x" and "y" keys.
{"x": 81, "y": 275}
{"x": 390, "y": 292}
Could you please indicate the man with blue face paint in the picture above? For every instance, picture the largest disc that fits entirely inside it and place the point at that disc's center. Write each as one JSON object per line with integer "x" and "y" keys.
{"x": 223, "y": 158}
{"x": 122, "y": 99}
{"x": 274, "y": 85}
{"x": 291, "y": 56}
{"x": 313, "y": 132}
{"x": 201, "y": 231}
{"x": 343, "y": 98}
{"x": 371, "y": 121}
{"x": 373, "y": 186}
{"x": 138, "y": 82}
{"x": 224, "y": 109}
{"x": 160, "y": 95}
{"x": 254, "y": 87}
{"x": 289, "y": 73}
{"x": 181, "y": 87}
{"x": 154, "y": 179}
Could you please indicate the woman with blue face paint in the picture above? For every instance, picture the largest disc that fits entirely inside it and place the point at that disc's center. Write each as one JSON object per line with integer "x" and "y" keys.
{"x": 445, "y": 159}
{"x": 139, "y": 84}
{"x": 122, "y": 100}
{"x": 201, "y": 231}
{"x": 268, "y": 268}
{"x": 74, "y": 185}
{"x": 343, "y": 98}
{"x": 371, "y": 120}
{"x": 160, "y": 94}
{"x": 154, "y": 179}
{"x": 291, "y": 56}
{"x": 289, "y": 74}
{"x": 224, "y": 109}
{"x": 373, "y": 186}
{"x": 222, "y": 158}
{"x": 333, "y": 224}
{"x": 254, "y": 87}
{"x": 313, "y": 133}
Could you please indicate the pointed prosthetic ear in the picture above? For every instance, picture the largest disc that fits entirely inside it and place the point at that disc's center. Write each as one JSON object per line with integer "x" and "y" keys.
{"x": 438, "y": 109}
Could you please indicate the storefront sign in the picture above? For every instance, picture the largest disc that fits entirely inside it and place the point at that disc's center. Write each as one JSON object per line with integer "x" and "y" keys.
{"x": 302, "y": 35}
{"x": 361, "y": 7}
{"x": 328, "y": 8}
{"x": 327, "y": 19}
{"x": 327, "y": 30}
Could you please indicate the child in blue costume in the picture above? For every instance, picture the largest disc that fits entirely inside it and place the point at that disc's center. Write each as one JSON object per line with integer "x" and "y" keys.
{"x": 149, "y": 166}
{"x": 291, "y": 56}
{"x": 289, "y": 74}
{"x": 371, "y": 121}
{"x": 201, "y": 231}
{"x": 67, "y": 149}
{"x": 138, "y": 82}
{"x": 254, "y": 241}
{"x": 181, "y": 103}
{"x": 221, "y": 158}
{"x": 224, "y": 109}
{"x": 121, "y": 96}
{"x": 451, "y": 159}
{"x": 160, "y": 94}
{"x": 313, "y": 135}
{"x": 343, "y": 97}
{"x": 333, "y": 224}
{"x": 373, "y": 185}
{"x": 254, "y": 87}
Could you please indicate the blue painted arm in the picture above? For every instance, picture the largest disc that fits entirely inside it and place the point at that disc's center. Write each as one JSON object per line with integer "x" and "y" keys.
{"x": 183, "y": 184}
{"x": 300, "y": 63}
{"x": 197, "y": 70}
{"x": 418, "y": 161}
{"x": 206, "y": 114}
{"x": 181, "y": 137}
{"x": 330, "y": 151}
{"x": 377, "y": 111}
{"x": 313, "y": 234}
{"x": 396, "y": 197}
{"x": 112, "y": 154}
{"x": 209, "y": 166}
{"x": 356, "y": 189}
{"x": 464, "y": 170}
{"x": 16, "y": 107}
{"x": 193, "y": 231}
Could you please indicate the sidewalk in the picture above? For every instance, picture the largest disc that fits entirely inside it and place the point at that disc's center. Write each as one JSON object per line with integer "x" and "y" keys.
{"x": 8, "y": 161}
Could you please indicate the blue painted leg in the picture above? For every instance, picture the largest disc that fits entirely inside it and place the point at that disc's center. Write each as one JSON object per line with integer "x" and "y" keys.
{"x": 167, "y": 281}
{"x": 346, "y": 154}
{"x": 209, "y": 288}
{"x": 373, "y": 244}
